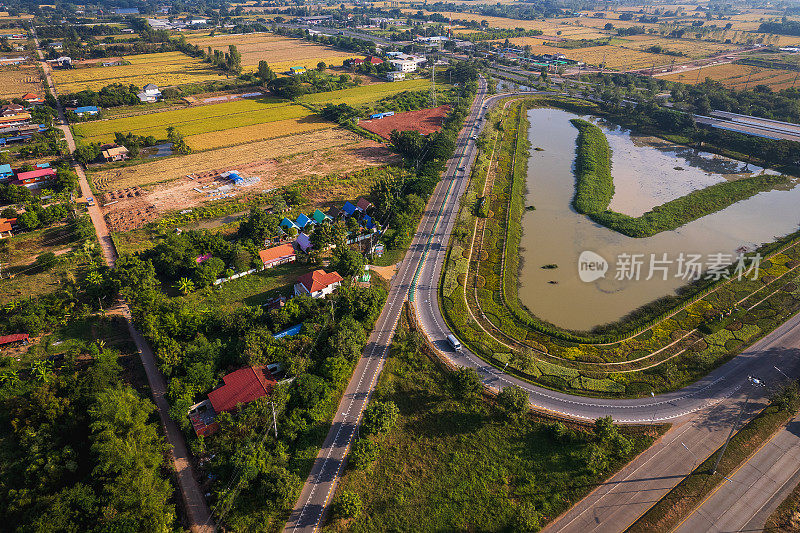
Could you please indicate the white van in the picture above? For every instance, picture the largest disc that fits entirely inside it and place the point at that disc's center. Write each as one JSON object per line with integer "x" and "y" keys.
{"x": 454, "y": 342}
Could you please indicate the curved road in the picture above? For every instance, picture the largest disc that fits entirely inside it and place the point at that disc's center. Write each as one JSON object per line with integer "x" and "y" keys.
{"x": 702, "y": 412}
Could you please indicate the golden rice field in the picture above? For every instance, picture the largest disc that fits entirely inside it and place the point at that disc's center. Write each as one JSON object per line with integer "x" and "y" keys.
{"x": 736, "y": 76}
{"x": 172, "y": 168}
{"x": 358, "y": 96}
{"x": 194, "y": 120}
{"x": 16, "y": 80}
{"x": 280, "y": 52}
{"x": 257, "y": 132}
{"x": 163, "y": 69}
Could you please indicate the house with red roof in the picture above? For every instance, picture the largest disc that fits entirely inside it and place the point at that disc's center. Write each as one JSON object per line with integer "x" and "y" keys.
{"x": 317, "y": 284}
{"x": 239, "y": 388}
{"x": 34, "y": 179}
{"x": 7, "y": 227}
{"x": 32, "y": 98}
{"x": 278, "y": 255}
{"x": 14, "y": 338}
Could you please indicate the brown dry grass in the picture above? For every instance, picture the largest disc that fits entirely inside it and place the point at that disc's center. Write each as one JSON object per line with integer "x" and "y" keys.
{"x": 16, "y": 80}
{"x": 239, "y": 156}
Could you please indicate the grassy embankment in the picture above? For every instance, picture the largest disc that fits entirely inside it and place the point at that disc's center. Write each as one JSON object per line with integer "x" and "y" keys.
{"x": 462, "y": 464}
{"x": 595, "y": 187}
{"x": 678, "y": 503}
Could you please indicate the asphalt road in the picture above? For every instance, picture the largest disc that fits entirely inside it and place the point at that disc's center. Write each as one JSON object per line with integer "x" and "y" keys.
{"x": 754, "y": 491}
{"x": 321, "y": 482}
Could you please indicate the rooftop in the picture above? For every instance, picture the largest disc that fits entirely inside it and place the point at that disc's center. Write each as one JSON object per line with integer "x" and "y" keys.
{"x": 276, "y": 252}
{"x": 241, "y": 387}
{"x": 318, "y": 280}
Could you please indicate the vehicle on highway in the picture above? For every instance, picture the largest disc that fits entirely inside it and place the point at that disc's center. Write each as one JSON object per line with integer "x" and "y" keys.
{"x": 454, "y": 342}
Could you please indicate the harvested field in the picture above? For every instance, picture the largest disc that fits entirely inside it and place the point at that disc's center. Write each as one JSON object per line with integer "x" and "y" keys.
{"x": 424, "y": 121}
{"x": 358, "y": 96}
{"x": 738, "y": 76}
{"x": 164, "y": 69}
{"x": 172, "y": 168}
{"x": 280, "y": 52}
{"x": 615, "y": 57}
{"x": 132, "y": 207}
{"x": 257, "y": 132}
{"x": 194, "y": 120}
{"x": 692, "y": 48}
{"x": 16, "y": 80}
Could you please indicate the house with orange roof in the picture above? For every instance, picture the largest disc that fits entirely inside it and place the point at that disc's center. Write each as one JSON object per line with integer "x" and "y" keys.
{"x": 278, "y": 255}
{"x": 317, "y": 284}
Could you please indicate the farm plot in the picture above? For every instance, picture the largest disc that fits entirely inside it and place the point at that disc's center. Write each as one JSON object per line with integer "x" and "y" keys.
{"x": 615, "y": 57}
{"x": 692, "y": 48}
{"x": 738, "y": 76}
{"x": 424, "y": 121}
{"x": 257, "y": 132}
{"x": 280, "y": 52}
{"x": 358, "y": 96}
{"x": 329, "y": 157}
{"x": 194, "y": 120}
{"x": 19, "y": 79}
{"x": 164, "y": 69}
{"x": 239, "y": 157}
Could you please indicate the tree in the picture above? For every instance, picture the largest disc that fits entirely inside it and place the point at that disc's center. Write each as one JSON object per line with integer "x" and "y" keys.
{"x": 347, "y": 261}
{"x": 467, "y": 383}
{"x": 321, "y": 66}
{"x": 45, "y": 261}
{"x": 348, "y": 505}
{"x": 513, "y": 400}
{"x": 265, "y": 73}
{"x": 364, "y": 453}
{"x": 234, "y": 60}
{"x": 380, "y": 417}
{"x": 185, "y": 286}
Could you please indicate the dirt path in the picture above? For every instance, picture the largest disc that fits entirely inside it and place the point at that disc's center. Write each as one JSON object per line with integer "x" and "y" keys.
{"x": 197, "y": 511}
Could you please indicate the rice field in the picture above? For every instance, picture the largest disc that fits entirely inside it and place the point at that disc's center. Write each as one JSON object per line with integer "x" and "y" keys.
{"x": 739, "y": 77}
{"x": 16, "y": 80}
{"x": 280, "y": 52}
{"x": 257, "y": 132}
{"x": 194, "y": 120}
{"x": 615, "y": 57}
{"x": 358, "y": 96}
{"x": 172, "y": 168}
{"x": 692, "y": 48}
{"x": 163, "y": 69}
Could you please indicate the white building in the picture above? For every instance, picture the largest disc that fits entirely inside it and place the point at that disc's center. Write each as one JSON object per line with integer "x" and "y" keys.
{"x": 404, "y": 65}
{"x": 395, "y": 76}
{"x": 150, "y": 93}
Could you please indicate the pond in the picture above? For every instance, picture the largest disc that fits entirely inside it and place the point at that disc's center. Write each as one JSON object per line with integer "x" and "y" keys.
{"x": 647, "y": 172}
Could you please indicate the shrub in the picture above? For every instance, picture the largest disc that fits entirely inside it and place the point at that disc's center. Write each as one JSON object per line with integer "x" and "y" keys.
{"x": 348, "y": 505}
{"x": 380, "y": 417}
{"x": 364, "y": 453}
{"x": 513, "y": 400}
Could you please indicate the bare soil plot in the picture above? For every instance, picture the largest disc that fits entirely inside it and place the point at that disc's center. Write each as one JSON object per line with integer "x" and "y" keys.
{"x": 163, "y": 69}
{"x": 280, "y": 52}
{"x": 424, "y": 121}
{"x": 132, "y": 207}
{"x": 16, "y": 80}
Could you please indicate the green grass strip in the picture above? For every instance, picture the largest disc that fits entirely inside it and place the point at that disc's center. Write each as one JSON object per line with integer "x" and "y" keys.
{"x": 594, "y": 186}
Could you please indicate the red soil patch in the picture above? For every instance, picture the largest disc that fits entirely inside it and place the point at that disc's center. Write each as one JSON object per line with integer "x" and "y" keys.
{"x": 424, "y": 121}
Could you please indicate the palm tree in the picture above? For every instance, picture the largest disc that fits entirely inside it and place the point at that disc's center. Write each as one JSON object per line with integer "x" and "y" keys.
{"x": 9, "y": 377}
{"x": 41, "y": 370}
{"x": 185, "y": 285}
{"x": 94, "y": 278}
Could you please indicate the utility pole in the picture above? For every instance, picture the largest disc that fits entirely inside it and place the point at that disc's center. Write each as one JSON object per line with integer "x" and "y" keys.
{"x": 274, "y": 419}
{"x": 753, "y": 381}
{"x": 433, "y": 82}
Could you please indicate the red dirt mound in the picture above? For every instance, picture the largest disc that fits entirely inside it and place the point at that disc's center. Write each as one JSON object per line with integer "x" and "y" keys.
{"x": 424, "y": 121}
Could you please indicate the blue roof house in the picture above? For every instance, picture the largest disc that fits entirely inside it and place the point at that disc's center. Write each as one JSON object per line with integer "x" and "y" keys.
{"x": 303, "y": 242}
{"x": 368, "y": 222}
{"x": 349, "y": 209}
{"x": 302, "y": 221}
{"x": 86, "y": 110}
{"x": 287, "y": 223}
{"x": 6, "y": 172}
